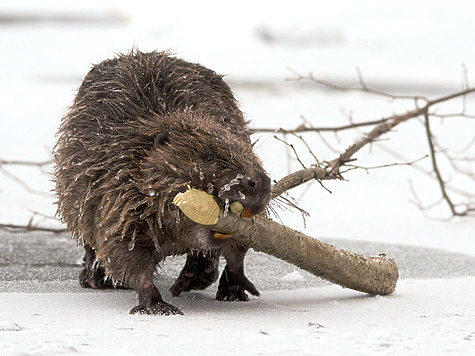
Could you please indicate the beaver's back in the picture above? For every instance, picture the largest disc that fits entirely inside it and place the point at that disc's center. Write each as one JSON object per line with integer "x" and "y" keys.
{"x": 104, "y": 134}
{"x": 120, "y": 90}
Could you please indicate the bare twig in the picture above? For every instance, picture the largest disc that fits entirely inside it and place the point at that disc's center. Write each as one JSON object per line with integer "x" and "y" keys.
{"x": 29, "y": 228}
{"x": 4, "y": 162}
{"x": 362, "y": 88}
{"x": 327, "y": 144}
{"x": 293, "y": 149}
{"x": 353, "y": 166}
{"x": 304, "y": 128}
{"x": 423, "y": 170}
{"x": 22, "y": 183}
{"x": 308, "y": 148}
{"x": 332, "y": 170}
{"x": 435, "y": 167}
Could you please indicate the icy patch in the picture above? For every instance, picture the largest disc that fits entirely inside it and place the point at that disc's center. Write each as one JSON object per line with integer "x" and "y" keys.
{"x": 210, "y": 188}
{"x": 226, "y": 207}
{"x": 9, "y": 326}
{"x": 228, "y": 186}
{"x": 294, "y": 276}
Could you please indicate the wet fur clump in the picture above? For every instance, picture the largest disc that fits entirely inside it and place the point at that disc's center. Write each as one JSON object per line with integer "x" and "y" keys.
{"x": 142, "y": 128}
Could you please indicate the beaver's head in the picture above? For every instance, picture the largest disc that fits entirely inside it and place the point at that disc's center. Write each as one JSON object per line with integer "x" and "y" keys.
{"x": 204, "y": 154}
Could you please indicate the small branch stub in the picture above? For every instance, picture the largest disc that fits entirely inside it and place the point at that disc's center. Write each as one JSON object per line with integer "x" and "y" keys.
{"x": 236, "y": 207}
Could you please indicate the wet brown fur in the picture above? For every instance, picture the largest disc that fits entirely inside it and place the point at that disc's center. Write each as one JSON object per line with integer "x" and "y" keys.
{"x": 142, "y": 127}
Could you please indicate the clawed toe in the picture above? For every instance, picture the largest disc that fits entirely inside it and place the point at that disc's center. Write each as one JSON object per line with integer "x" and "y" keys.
{"x": 92, "y": 278}
{"x": 233, "y": 286}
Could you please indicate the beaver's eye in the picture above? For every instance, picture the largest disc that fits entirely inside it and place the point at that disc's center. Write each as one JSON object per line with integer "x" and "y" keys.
{"x": 161, "y": 139}
{"x": 209, "y": 159}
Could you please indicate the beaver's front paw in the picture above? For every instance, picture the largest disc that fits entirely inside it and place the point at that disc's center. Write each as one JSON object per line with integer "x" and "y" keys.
{"x": 199, "y": 272}
{"x": 92, "y": 278}
{"x": 233, "y": 286}
{"x": 92, "y": 275}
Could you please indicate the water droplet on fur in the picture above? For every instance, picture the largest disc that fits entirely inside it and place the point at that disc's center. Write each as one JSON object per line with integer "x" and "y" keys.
{"x": 210, "y": 189}
{"x": 151, "y": 193}
{"x": 226, "y": 207}
{"x": 241, "y": 195}
{"x": 131, "y": 245}
{"x": 157, "y": 246}
{"x": 228, "y": 186}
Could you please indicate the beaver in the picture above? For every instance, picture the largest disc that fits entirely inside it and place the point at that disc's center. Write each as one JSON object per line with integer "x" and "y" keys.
{"x": 142, "y": 128}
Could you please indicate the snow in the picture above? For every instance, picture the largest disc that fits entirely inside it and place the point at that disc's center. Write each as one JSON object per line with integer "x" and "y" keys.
{"x": 405, "y": 47}
{"x": 420, "y": 317}
{"x": 293, "y": 277}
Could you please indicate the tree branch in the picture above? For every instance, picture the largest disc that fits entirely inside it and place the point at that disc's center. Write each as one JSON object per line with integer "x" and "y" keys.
{"x": 332, "y": 169}
{"x": 29, "y": 228}
{"x": 435, "y": 167}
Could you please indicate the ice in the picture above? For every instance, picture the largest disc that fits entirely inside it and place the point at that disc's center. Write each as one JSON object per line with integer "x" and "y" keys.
{"x": 9, "y": 326}
{"x": 210, "y": 188}
{"x": 226, "y": 207}
{"x": 408, "y": 47}
{"x": 293, "y": 276}
{"x": 336, "y": 320}
{"x": 232, "y": 182}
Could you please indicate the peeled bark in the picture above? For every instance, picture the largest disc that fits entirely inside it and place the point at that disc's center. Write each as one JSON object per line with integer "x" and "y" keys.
{"x": 373, "y": 275}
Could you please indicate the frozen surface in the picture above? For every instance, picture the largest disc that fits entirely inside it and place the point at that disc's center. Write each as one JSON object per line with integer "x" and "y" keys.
{"x": 405, "y": 47}
{"x": 424, "y": 316}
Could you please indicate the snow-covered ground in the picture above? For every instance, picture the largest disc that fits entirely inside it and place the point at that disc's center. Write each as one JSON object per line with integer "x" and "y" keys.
{"x": 420, "y": 318}
{"x": 405, "y": 46}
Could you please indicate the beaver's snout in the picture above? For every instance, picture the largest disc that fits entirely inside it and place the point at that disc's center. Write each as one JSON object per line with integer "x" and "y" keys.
{"x": 258, "y": 181}
{"x": 252, "y": 190}
{"x": 260, "y": 187}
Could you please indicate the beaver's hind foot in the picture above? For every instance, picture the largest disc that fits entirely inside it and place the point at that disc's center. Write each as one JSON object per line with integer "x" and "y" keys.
{"x": 151, "y": 302}
{"x": 199, "y": 272}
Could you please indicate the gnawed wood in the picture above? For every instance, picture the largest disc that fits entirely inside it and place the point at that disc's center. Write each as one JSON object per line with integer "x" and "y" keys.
{"x": 373, "y": 275}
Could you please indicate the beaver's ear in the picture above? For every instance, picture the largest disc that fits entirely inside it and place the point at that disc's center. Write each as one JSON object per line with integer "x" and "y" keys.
{"x": 161, "y": 139}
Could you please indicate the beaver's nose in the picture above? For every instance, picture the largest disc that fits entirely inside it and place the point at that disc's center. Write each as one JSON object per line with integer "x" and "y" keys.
{"x": 259, "y": 180}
